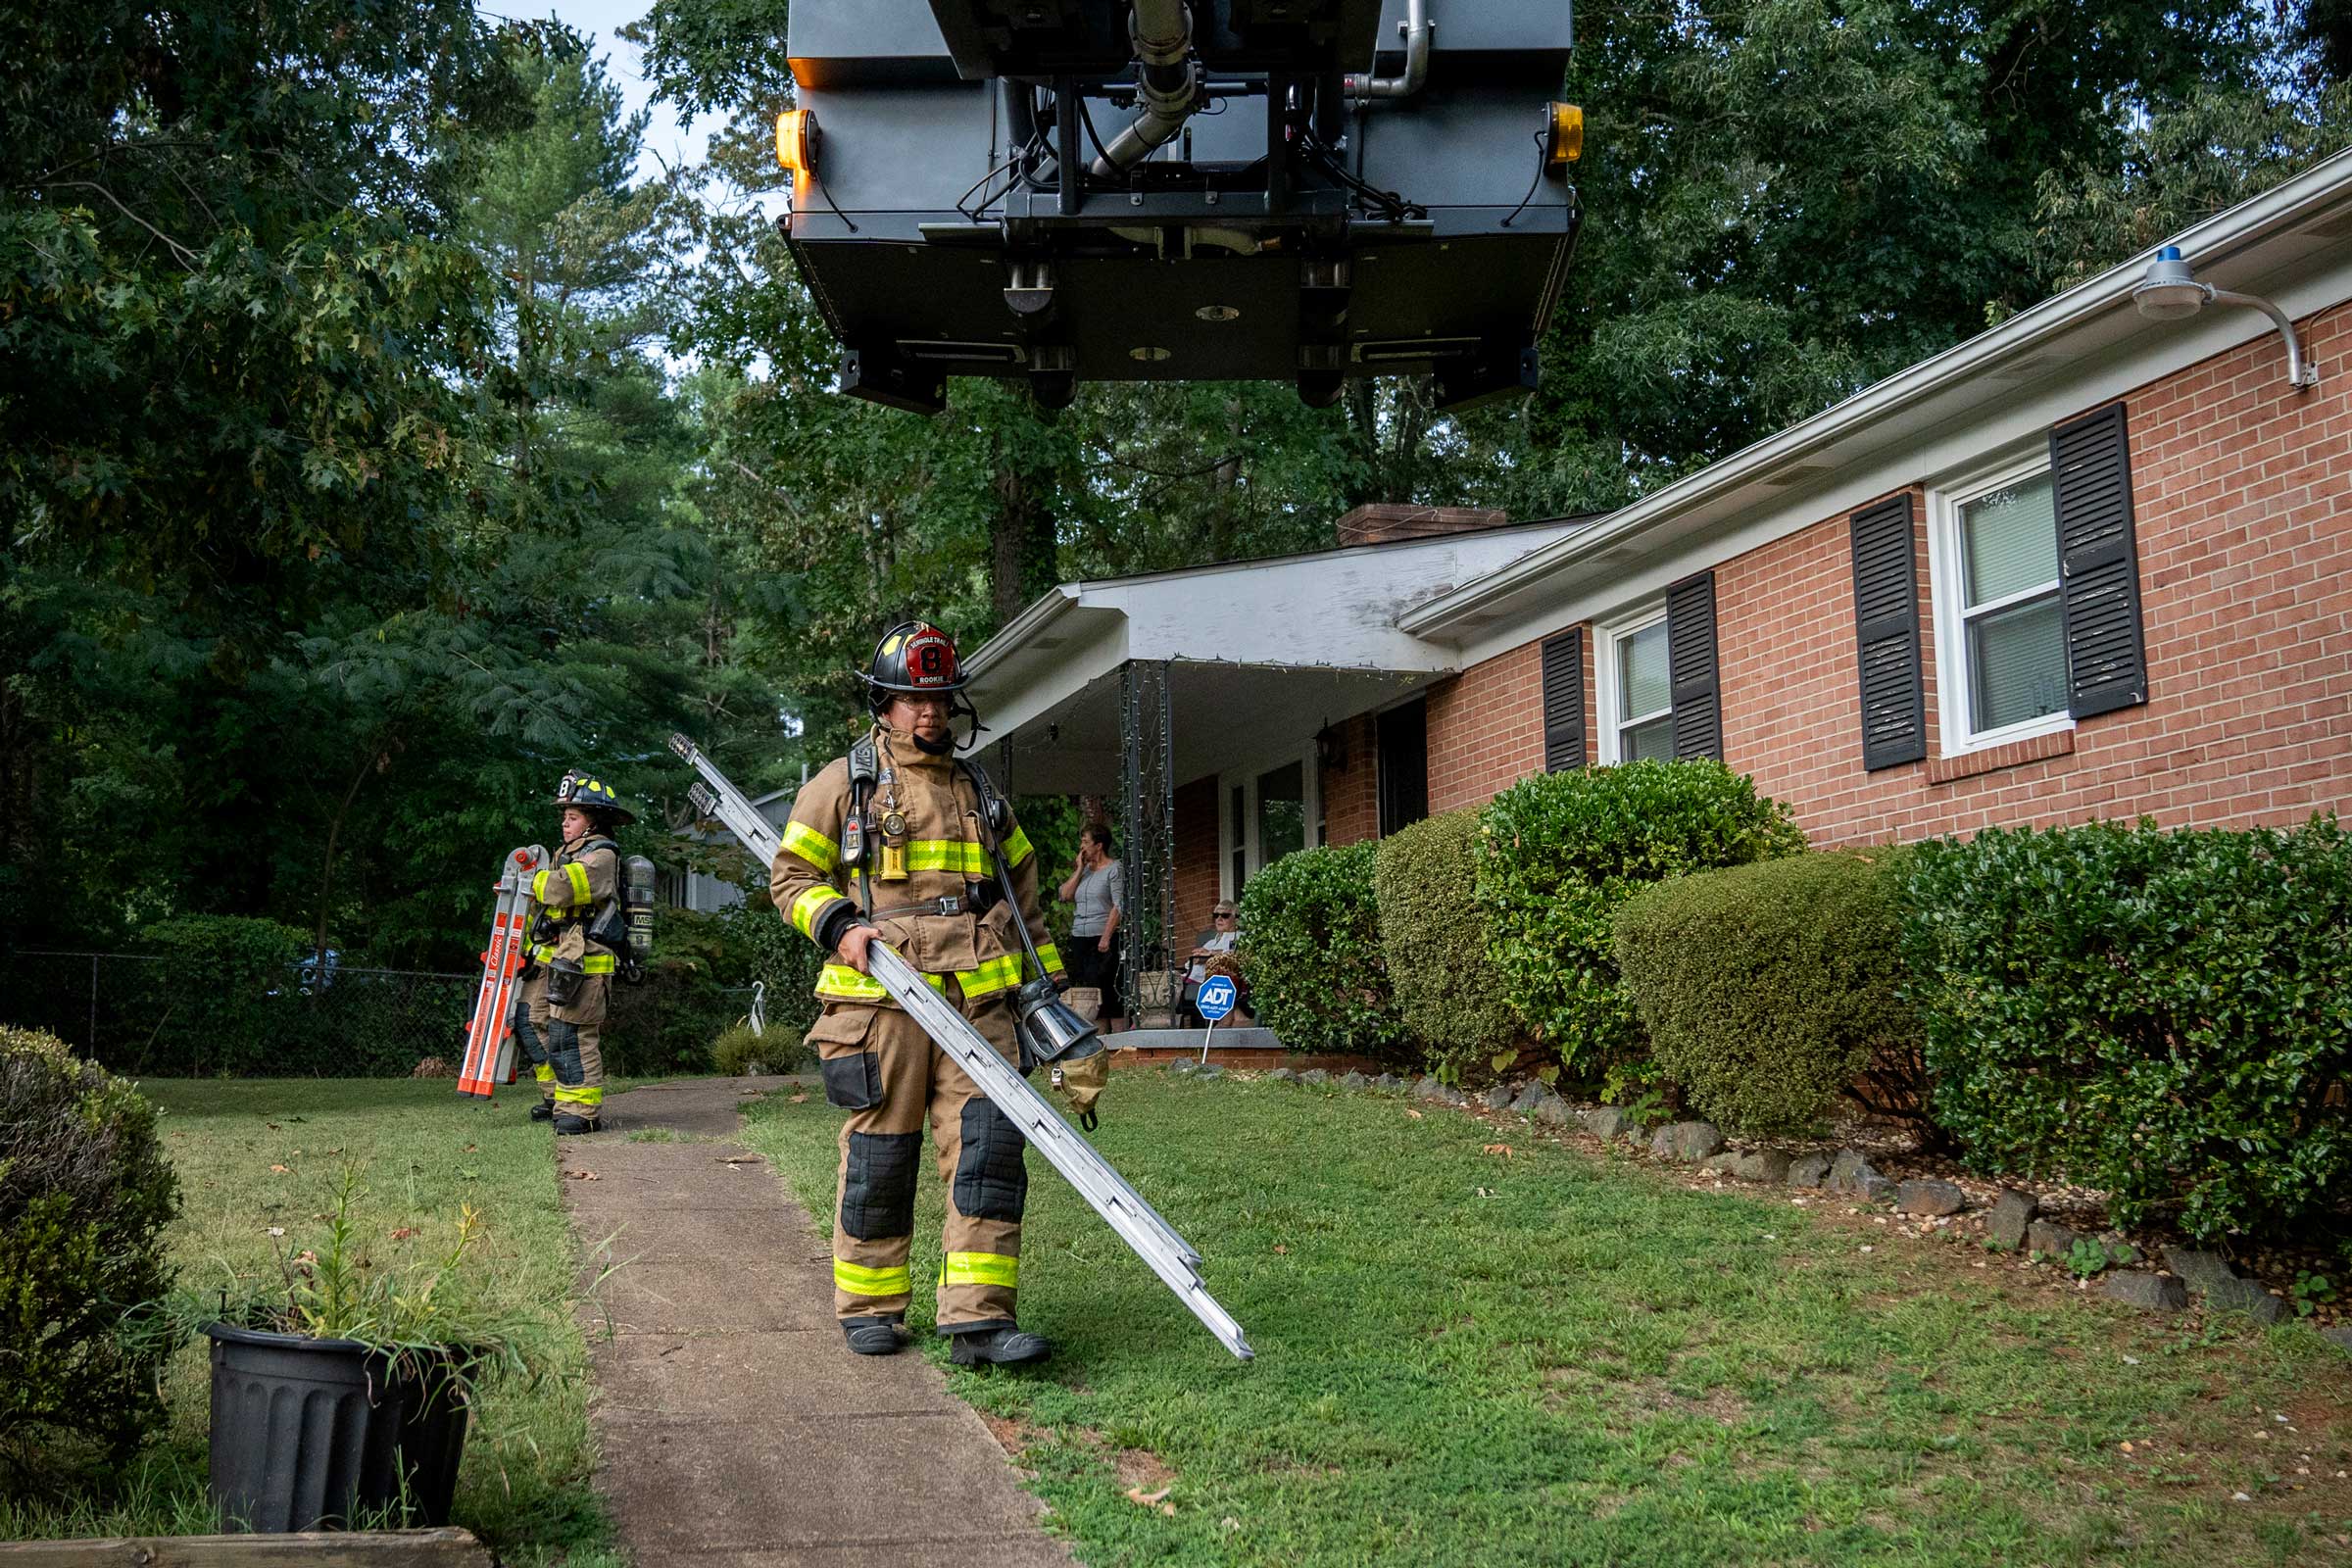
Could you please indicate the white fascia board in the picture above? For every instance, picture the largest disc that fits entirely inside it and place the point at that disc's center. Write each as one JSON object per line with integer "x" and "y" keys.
{"x": 2068, "y": 353}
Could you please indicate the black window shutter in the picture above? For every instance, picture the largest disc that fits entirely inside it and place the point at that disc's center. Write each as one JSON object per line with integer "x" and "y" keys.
{"x": 1564, "y": 701}
{"x": 2098, "y": 565}
{"x": 1691, "y": 665}
{"x": 1894, "y": 711}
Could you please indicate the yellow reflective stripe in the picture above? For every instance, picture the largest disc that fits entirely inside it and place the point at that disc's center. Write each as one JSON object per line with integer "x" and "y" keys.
{"x": 598, "y": 963}
{"x": 858, "y": 1279}
{"x": 540, "y": 950}
{"x": 539, "y": 885}
{"x": 579, "y": 881}
{"x": 838, "y": 982}
{"x": 589, "y": 1095}
{"x": 807, "y": 906}
{"x": 1017, "y": 847}
{"x": 1051, "y": 956}
{"x": 543, "y": 1072}
{"x": 993, "y": 976}
{"x": 979, "y": 1268}
{"x": 946, "y": 854}
{"x": 810, "y": 845}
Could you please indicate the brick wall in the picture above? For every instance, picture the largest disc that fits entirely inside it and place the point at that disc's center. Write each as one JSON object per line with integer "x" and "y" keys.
{"x": 2242, "y": 491}
{"x": 1351, "y": 791}
{"x": 1485, "y": 726}
{"x": 1196, "y": 856}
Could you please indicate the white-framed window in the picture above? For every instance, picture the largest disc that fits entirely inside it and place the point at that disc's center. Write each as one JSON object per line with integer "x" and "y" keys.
{"x": 1636, "y": 687}
{"x": 1263, "y": 813}
{"x": 2000, "y": 640}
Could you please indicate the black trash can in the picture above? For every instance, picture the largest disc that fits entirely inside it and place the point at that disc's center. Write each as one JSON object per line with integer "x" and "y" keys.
{"x": 319, "y": 1433}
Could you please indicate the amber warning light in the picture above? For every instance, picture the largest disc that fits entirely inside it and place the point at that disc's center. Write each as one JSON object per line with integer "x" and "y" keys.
{"x": 795, "y": 141}
{"x": 1563, "y": 136}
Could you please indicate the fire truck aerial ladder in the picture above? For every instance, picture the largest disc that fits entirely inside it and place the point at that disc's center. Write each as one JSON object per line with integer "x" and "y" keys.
{"x": 1064, "y": 190}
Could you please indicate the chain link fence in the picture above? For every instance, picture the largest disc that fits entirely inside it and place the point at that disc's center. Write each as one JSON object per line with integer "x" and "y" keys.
{"x": 141, "y": 1015}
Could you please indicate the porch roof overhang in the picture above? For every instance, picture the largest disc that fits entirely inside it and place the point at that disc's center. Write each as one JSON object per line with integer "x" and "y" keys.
{"x": 1259, "y": 653}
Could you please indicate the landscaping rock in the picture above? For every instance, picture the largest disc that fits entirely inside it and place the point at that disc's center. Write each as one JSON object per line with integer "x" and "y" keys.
{"x": 1808, "y": 1170}
{"x": 2051, "y": 1239}
{"x": 2199, "y": 1270}
{"x": 2121, "y": 1253}
{"x": 1687, "y": 1141}
{"x": 1604, "y": 1121}
{"x": 1355, "y": 1081}
{"x": 1724, "y": 1164}
{"x": 2340, "y": 1335}
{"x": 1428, "y": 1087}
{"x": 1498, "y": 1097}
{"x": 1876, "y": 1189}
{"x": 1452, "y": 1097}
{"x": 2154, "y": 1293}
{"x": 1636, "y": 1137}
{"x": 1211, "y": 1070}
{"x": 1388, "y": 1083}
{"x": 1183, "y": 1067}
{"x": 2005, "y": 1226}
{"x": 1849, "y": 1172}
{"x": 1929, "y": 1198}
{"x": 1556, "y": 1112}
{"x": 1763, "y": 1165}
{"x": 1314, "y": 1075}
{"x": 2244, "y": 1295}
{"x": 1282, "y": 1075}
{"x": 1530, "y": 1097}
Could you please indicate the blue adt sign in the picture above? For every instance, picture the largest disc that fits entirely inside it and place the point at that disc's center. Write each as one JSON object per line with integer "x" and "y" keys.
{"x": 1217, "y": 997}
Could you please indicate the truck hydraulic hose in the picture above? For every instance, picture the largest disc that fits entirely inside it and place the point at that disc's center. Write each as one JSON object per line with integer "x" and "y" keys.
{"x": 1167, "y": 83}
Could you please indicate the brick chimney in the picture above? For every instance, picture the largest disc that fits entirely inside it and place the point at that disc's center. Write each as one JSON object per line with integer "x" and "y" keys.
{"x": 1377, "y": 523}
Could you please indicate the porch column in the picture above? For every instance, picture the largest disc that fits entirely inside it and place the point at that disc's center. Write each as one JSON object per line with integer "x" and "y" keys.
{"x": 1149, "y": 857}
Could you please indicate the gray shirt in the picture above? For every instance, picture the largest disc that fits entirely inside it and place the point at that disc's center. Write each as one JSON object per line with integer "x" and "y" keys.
{"x": 1096, "y": 896}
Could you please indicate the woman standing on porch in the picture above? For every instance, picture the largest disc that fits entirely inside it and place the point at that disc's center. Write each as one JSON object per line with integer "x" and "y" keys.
{"x": 1093, "y": 891}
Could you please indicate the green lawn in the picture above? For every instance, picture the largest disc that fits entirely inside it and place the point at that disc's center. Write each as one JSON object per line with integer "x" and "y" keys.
{"x": 1563, "y": 1357}
{"x": 424, "y": 1151}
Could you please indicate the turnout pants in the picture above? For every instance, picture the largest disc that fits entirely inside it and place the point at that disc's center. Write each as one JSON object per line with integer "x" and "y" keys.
{"x": 530, "y": 1021}
{"x": 880, "y": 1065}
{"x": 573, "y": 1050}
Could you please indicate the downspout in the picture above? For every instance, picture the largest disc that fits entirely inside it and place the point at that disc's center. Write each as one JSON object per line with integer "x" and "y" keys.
{"x": 1167, "y": 82}
{"x": 1416, "y": 28}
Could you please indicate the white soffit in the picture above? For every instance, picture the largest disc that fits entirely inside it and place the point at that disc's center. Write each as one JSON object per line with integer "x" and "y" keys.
{"x": 1331, "y": 609}
{"x": 2070, "y": 352}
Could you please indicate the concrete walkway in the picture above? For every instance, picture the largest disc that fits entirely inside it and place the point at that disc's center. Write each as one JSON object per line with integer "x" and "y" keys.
{"x": 737, "y": 1430}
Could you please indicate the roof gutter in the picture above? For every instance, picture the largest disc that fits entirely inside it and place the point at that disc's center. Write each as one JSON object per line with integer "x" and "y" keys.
{"x": 2216, "y": 239}
{"x": 1042, "y": 613}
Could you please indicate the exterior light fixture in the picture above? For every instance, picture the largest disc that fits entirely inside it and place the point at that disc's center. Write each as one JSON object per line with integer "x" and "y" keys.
{"x": 1563, "y": 136}
{"x": 1218, "y": 312}
{"x": 1149, "y": 353}
{"x": 2170, "y": 291}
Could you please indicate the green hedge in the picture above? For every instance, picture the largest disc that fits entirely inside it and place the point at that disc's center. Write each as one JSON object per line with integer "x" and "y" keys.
{"x": 224, "y": 995}
{"x": 85, "y": 1193}
{"x": 1558, "y": 853}
{"x": 1772, "y": 989}
{"x": 1433, "y": 938}
{"x": 2167, "y": 1015}
{"x": 1311, "y": 945}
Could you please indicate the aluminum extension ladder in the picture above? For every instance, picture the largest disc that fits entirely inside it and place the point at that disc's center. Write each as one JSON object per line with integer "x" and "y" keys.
{"x": 1136, "y": 1222}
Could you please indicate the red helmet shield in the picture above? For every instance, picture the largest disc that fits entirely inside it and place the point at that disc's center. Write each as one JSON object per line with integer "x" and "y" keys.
{"x": 930, "y": 660}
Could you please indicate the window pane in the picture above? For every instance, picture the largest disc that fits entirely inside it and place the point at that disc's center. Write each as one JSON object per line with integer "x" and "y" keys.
{"x": 2011, "y": 540}
{"x": 1281, "y": 812}
{"x": 1644, "y": 682}
{"x": 1653, "y": 738}
{"x": 2017, "y": 665}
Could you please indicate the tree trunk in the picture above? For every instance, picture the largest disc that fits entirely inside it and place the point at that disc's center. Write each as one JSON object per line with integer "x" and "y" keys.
{"x": 1023, "y": 538}
{"x": 377, "y": 760}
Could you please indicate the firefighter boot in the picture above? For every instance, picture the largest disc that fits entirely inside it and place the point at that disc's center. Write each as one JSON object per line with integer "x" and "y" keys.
{"x": 874, "y": 1335}
{"x": 1004, "y": 1346}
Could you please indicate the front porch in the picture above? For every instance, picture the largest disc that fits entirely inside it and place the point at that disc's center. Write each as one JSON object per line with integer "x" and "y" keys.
{"x": 1230, "y": 713}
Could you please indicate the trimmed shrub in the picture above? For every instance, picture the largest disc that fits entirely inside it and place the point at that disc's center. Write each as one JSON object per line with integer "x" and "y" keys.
{"x": 738, "y": 1051}
{"x": 1311, "y": 945}
{"x": 224, "y": 995}
{"x": 1558, "y": 853}
{"x": 1432, "y": 939}
{"x": 2167, "y": 1015}
{"x": 1770, "y": 990}
{"x": 85, "y": 1193}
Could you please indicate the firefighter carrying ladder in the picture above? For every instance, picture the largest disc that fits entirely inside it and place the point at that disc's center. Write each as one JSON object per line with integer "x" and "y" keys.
{"x": 1138, "y": 1224}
